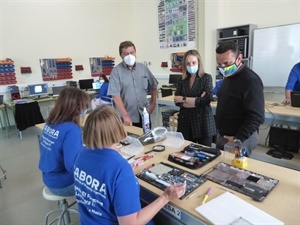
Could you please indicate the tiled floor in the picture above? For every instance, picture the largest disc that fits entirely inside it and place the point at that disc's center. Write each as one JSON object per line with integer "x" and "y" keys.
{"x": 21, "y": 199}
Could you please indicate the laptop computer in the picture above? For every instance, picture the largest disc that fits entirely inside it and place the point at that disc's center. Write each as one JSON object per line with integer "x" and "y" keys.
{"x": 295, "y": 99}
{"x": 97, "y": 86}
{"x": 56, "y": 90}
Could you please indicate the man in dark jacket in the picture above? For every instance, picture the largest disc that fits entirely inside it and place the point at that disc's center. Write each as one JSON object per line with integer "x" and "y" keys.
{"x": 240, "y": 107}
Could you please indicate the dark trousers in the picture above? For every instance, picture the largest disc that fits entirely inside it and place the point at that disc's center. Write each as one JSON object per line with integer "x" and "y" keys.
{"x": 203, "y": 140}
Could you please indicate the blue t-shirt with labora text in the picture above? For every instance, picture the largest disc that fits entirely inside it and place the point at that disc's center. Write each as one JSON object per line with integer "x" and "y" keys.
{"x": 105, "y": 187}
{"x": 59, "y": 146}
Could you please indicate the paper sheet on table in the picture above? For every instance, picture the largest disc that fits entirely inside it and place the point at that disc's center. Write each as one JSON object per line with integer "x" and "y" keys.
{"x": 227, "y": 208}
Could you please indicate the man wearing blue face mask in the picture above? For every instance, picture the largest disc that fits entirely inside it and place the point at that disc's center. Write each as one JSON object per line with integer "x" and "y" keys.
{"x": 240, "y": 107}
{"x": 129, "y": 83}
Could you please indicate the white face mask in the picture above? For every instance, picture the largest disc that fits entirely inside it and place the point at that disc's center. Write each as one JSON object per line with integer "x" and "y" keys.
{"x": 101, "y": 81}
{"x": 129, "y": 60}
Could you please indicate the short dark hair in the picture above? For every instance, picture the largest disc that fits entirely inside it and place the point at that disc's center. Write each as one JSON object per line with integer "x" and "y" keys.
{"x": 125, "y": 44}
{"x": 228, "y": 46}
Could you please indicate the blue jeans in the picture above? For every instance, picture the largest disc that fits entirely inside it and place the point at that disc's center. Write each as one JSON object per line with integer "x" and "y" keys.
{"x": 67, "y": 191}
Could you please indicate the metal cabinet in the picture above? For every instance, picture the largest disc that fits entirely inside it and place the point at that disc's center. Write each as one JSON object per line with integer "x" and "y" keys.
{"x": 243, "y": 35}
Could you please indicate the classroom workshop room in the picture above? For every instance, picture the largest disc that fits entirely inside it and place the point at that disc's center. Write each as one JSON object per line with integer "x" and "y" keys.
{"x": 46, "y": 46}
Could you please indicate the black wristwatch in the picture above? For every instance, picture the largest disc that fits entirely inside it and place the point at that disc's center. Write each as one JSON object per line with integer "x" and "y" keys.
{"x": 183, "y": 98}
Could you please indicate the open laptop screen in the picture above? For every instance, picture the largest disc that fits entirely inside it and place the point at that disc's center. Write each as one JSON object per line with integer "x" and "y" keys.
{"x": 56, "y": 90}
{"x": 96, "y": 85}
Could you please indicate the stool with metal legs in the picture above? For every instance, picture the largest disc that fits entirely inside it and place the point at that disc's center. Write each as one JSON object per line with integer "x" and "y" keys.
{"x": 2, "y": 175}
{"x": 64, "y": 208}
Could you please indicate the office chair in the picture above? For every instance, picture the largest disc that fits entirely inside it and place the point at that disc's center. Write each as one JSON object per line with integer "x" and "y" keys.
{"x": 166, "y": 92}
{"x": 27, "y": 115}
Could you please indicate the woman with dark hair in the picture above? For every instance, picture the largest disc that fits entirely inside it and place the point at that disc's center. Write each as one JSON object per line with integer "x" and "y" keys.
{"x": 102, "y": 97}
{"x": 61, "y": 141}
{"x": 193, "y": 95}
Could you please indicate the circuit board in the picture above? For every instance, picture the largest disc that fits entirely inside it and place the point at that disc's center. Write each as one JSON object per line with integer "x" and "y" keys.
{"x": 163, "y": 175}
{"x": 254, "y": 185}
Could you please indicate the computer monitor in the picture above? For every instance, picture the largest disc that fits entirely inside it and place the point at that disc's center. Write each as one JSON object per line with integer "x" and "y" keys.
{"x": 174, "y": 78}
{"x": 38, "y": 90}
{"x": 284, "y": 138}
{"x": 56, "y": 90}
{"x": 86, "y": 84}
{"x": 295, "y": 99}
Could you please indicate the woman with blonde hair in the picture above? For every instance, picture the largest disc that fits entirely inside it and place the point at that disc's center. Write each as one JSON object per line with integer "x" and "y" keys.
{"x": 61, "y": 141}
{"x": 107, "y": 190}
{"x": 193, "y": 95}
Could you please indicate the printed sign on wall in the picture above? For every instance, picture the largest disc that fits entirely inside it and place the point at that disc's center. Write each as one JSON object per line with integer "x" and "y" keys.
{"x": 176, "y": 23}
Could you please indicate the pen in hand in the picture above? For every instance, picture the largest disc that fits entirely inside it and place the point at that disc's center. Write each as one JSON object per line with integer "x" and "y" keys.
{"x": 206, "y": 195}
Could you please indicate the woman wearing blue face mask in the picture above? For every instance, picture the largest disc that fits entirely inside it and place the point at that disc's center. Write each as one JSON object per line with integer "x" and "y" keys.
{"x": 102, "y": 97}
{"x": 193, "y": 95}
{"x": 61, "y": 141}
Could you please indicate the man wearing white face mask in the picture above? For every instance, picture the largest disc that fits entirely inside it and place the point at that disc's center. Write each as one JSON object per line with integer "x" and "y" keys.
{"x": 129, "y": 83}
{"x": 193, "y": 95}
{"x": 240, "y": 107}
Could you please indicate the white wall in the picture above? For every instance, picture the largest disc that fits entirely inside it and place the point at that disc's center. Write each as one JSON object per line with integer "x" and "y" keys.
{"x": 31, "y": 30}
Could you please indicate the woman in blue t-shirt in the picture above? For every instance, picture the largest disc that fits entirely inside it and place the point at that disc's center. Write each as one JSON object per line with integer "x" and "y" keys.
{"x": 106, "y": 188}
{"x": 102, "y": 97}
{"x": 61, "y": 141}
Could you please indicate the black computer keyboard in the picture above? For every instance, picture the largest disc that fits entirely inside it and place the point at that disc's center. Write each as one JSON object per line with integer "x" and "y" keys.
{"x": 41, "y": 97}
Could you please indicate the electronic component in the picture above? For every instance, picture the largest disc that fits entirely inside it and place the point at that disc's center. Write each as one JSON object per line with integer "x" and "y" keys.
{"x": 252, "y": 184}
{"x": 194, "y": 156}
{"x": 163, "y": 175}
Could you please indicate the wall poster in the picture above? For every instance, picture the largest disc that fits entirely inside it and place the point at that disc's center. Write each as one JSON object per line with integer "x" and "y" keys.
{"x": 176, "y": 23}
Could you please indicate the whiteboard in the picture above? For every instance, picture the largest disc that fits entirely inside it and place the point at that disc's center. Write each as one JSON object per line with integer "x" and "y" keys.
{"x": 275, "y": 51}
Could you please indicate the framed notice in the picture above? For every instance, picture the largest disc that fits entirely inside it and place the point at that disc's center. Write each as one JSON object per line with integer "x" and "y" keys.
{"x": 176, "y": 23}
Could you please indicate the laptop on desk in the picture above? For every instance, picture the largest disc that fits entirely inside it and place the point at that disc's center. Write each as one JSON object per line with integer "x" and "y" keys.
{"x": 295, "y": 99}
{"x": 97, "y": 86}
{"x": 56, "y": 90}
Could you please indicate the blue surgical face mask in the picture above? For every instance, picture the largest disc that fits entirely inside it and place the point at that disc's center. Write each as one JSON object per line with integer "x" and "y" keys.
{"x": 192, "y": 69}
{"x": 83, "y": 113}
